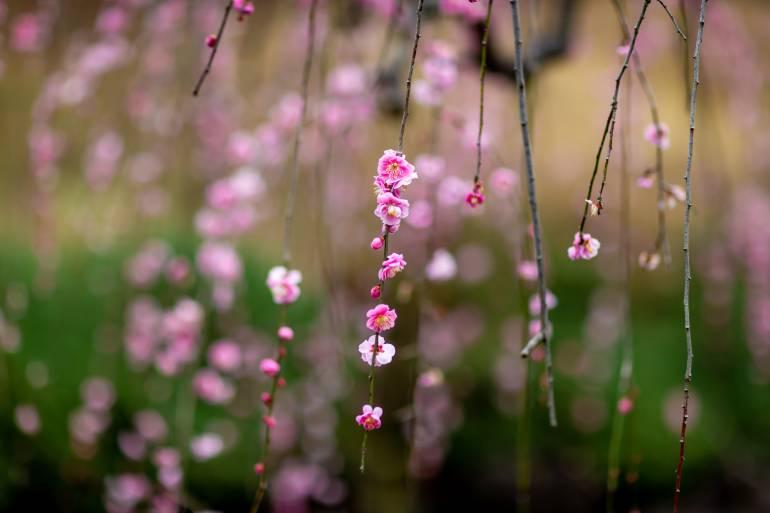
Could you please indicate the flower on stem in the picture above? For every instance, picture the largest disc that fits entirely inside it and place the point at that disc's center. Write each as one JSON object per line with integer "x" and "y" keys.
{"x": 673, "y": 194}
{"x": 583, "y": 247}
{"x": 269, "y": 367}
{"x": 647, "y": 179}
{"x": 391, "y": 266}
{"x": 243, "y": 8}
{"x": 394, "y": 171}
{"x": 284, "y": 284}
{"x": 384, "y": 352}
{"x": 391, "y": 209}
{"x": 658, "y": 135}
{"x": 370, "y": 417}
{"x": 375, "y": 291}
{"x": 534, "y": 302}
{"x": 269, "y": 421}
{"x": 476, "y": 196}
{"x": 211, "y": 40}
{"x": 381, "y": 318}
{"x": 594, "y": 207}
{"x": 285, "y": 333}
{"x": 377, "y": 243}
{"x": 649, "y": 261}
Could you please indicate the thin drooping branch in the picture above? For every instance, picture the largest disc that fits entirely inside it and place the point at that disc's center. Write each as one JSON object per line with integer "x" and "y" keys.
{"x": 685, "y": 51}
{"x": 214, "y": 49}
{"x": 386, "y": 234}
{"x": 405, "y": 113}
{"x": 661, "y": 242}
{"x": 387, "y": 40}
{"x": 626, "y": 335}
{"x": 686, "y": 248}
{"x": 526, "y": 143}
{"x": 288, "y": 222}
{"x": 613, "y": 110}
{"x": 673, "y": 20}
{"x": 482, "y": 77}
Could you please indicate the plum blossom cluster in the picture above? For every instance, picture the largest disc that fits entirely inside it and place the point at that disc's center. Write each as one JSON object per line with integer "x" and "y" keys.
{"x": 347, "y": 99}
{"x": 394, "y": 174}
{"x": 88, "y": 422}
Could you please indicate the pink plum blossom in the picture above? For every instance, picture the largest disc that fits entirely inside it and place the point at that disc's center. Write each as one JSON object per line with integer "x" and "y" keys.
{"x": 211, "y": 387}
{"x": 391, "y": 266}
{"x": 430, "y": 166}
{"x": 285, "y": 333}
{"x": 527, "y": 270}
{"x": 225, "y": 355}
{"x": 442, "y": 266}
{"x": 270, "y": 367}
{"x": 243, "y": 8}
{"x": 391, "y": 209}
{"x": 370, "y": 417}
{"x": 385, "y": 351}
{"x": 658, "y": 135}
{"x": 394, "y": 170}
{"x": 377, "y": 243}
{"x": 646, "y": 179}
{"x": 284, "y": 284}
{"x": 381, "y": 318}
{"x": 206, "y": 446}
{"x": 583, "y": 247}
{"x": 534, "y": 302}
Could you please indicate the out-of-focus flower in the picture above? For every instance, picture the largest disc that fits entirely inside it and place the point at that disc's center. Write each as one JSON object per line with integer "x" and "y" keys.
{"x": 625, "y": 405}
{"x": 381, "y": 318}
{"x": 442, "y": 266}
{"x": 370, "y": 417}
{"x": 211, "y": 387}
{"x": 206, "y": 446}
{"x": 27, "y": 419}
{"x": 384, "y": 351}
{"x": 527, "y": 270}
{"x": 503, "y": 181}
{"x": 658, "y": 135}
{"x": 649, "y": 261}
{"x": 673, "y": 194}
{"x": 646, "y": 179}
{"x": 284, "y": 284}
{"x": 430, "y": 166}
{"x": 534, "y": 302}
{"x": 583, "y": 247}
{"x": 243, "y": 8}
{"x": 594, "y": 207}
{"x": 269, "y": 367}
{"x": 225, "y": 355}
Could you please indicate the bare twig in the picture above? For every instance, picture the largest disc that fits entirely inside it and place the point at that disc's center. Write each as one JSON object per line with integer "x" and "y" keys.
{"x": 613, "y": 110}
{"x": 405, "y": 114}
{"x": 214, "y": 49}
{"x": 288, "y": 221}
{"x": 523, "y": 121}
{"x": 686, "y": 248}
{"x": 482, "y": 76}
{"x": 673, "y": 20}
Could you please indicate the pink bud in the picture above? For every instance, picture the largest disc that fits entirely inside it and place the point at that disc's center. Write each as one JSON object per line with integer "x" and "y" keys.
{"x": 269, "y": 421}
{"x": 377, "y": 243}
{"x": 211, "y": 40}
{"x": 285, "y": 333}
{"x": 282, "y": 351}
{"x": 625, "y": 405}
{"x": 259, "y": 469}
{"x": 375, "y": 292}
{"x": 281, "y": 382}
{"x": 270, "y": 367}
{"x": 266, "y": 398}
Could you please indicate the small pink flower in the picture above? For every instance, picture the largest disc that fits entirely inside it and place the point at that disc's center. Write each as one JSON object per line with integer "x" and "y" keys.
{"x": 527, "y": 270}
{"x": 649, "y": 261}
{"x": 269, "y": 421}
{"x": 534, "y": 302}
{"x": 625, "y": 405}
{"x": 270, "y": 367}
{"x": 384, "y": 351}
{"x": 266, "y": 398}
{"x": 380, "y": 318}
{"x": 594, "y": 207}
{"x": 392, "y": 265}
{"x": 284, "y": 284}
{"x": 394, "y": 170}
{"x": 206, "y": 446}
{"x": 243, "y": 8}
{"x": 658, "y": 135}
{"x": 391, "y": 209}
{"x": 442, "y": 266}
{"x": 646, "y": 180}
{"x": 225, "y": 355}
{"x": 211, "y": 40}
{"x": 583, "y": 247}
{"x": 622, "y": 50}
{"x": 370, "y": 417}
{"x": 377, "y": 243}
{"x": 476, "y": 196}
{"x": 211, "y": 387}
{"x": 375, "y": 292}
{"x": 673, "y": 194}
{"x": 285, "y": 333}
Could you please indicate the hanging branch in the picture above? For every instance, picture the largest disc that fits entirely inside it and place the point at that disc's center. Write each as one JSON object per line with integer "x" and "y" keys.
{"x": 673, "y": 20}
{"x": 390, "y": 31}
{"x": 214, "y": 43}
{"x": 482, "y": 77}
{"x": 627, "y": 349}
{"x": 661, "y": 242}
{"x": 287, "y": 237}
{"x": 686, "y": 248}
{"x": 610, "y": 123}
{"x": 543, "y": 335}
{"x": 685, "y": 51}
{"x": 379, "y": 289}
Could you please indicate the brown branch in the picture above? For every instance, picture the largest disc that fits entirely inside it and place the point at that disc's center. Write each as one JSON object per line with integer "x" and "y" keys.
{"x": 214, "y": 49}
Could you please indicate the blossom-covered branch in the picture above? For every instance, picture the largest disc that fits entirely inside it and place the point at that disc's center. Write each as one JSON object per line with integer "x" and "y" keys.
{"x": 394, "y": 174}
{"x": 686, "y": 247}
{"x": 544, "y": 335}
{"x": 283, "y": 281}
